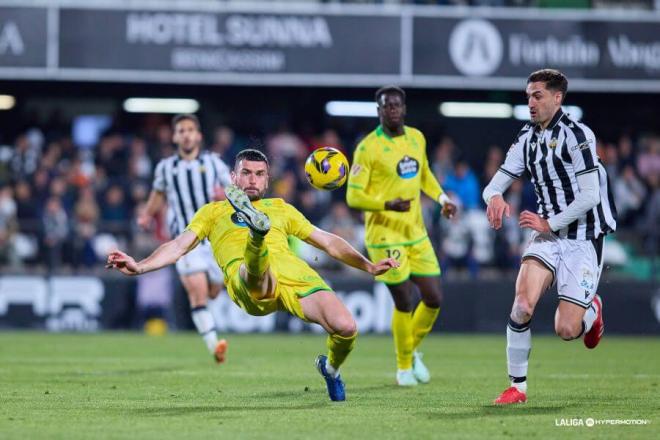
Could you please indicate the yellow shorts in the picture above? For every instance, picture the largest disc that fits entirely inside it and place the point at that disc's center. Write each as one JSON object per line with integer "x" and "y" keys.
{"x": 417, "y": 259}
{"x": 297, "y": 283}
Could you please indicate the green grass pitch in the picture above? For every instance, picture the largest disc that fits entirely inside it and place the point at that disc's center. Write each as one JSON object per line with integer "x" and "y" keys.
{"x": 128, "y": 385}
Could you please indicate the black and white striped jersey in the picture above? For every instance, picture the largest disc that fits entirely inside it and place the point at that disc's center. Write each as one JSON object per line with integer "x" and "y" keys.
{"x": 189, "y": 185}
{"x": 553, "y": 158}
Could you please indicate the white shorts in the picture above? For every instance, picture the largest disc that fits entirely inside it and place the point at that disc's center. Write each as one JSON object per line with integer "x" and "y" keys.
{"x": 200, "y": 259}
{"x": 575, "y": 265}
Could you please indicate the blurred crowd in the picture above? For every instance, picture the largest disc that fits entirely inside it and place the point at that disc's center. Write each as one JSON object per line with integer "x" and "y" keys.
{"x": 64, "y": 206}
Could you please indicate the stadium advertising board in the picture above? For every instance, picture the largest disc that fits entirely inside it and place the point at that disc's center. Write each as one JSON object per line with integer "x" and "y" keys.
{"x": 494, "y": 49}
{"x": 85, "y": 303}
{"x": 264, "y": 43}
{"x": 327, "y": 45}
{"x": 23, "y": 37}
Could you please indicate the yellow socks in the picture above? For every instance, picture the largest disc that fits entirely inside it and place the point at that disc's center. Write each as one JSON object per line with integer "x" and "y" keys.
{"x": 256, "y": 255}
{"x": 422, "y": 322}
{"x": 403, "y": 338}
{"x": 338, "y": 348}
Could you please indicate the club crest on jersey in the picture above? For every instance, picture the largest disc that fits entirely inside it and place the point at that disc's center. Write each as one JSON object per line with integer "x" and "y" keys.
{"x": 407, "y": 168}
{"x": 553, "y": 143}
{"x": 238, "y": 220}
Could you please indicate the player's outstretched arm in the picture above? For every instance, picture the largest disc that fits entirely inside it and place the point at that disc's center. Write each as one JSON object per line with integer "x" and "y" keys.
{"x": 341, "y": 250}
{"x": 166, "y": 254}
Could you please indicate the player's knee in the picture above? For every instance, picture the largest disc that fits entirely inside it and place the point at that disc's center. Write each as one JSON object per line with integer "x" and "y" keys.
{"x": 434, "y": 300}
{"x": 403, "y": 303}
{"x": 522, "y": 310}
{"x": 567, "y": 331}
{"x": 346, "y": 326}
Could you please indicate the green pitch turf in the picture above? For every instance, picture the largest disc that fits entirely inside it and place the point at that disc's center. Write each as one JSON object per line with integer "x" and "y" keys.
{"x": 125, "y": 385}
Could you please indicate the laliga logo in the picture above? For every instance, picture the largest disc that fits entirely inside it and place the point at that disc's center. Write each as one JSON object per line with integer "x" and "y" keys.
{"x": 475, "y": 47}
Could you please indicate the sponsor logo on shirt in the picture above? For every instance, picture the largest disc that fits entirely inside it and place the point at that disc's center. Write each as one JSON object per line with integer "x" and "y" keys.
{"x": 583, "y": 146}
{"x": 407, "y": 168}
{"x": 355, "y": 170}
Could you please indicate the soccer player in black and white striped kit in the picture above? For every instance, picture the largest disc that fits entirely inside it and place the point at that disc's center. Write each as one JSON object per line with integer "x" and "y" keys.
{"x": 188, "y": 180}
{"x": 575, "y": 211}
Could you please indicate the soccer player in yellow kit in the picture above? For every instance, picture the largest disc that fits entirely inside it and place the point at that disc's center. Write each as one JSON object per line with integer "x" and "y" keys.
{"x": 248, "y": 235}
{"x": 389, "y": 169}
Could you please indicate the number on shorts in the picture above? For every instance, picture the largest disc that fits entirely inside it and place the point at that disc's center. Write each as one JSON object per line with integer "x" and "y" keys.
{"x": 393, "y": 253}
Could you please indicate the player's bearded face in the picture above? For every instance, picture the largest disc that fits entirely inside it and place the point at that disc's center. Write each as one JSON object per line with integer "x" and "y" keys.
{"x": 542, "y": 103}
{"x": 187, "y": 136}
{"x": 391, "y": 110}
{"x": 252, "y": 178}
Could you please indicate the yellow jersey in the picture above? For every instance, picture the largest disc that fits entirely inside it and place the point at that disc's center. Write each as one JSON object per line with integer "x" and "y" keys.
{"x": 385, "y": 168}
{"x": 227, "y": 232}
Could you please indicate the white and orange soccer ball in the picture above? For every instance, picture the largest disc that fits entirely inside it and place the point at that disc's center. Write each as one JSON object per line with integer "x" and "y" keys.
{"x": 326, "y": 168}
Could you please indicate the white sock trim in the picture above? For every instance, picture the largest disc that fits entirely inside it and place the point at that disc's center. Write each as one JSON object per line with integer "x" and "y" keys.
{"x": 589, "y": 317}
{"x": 330, "y": 369}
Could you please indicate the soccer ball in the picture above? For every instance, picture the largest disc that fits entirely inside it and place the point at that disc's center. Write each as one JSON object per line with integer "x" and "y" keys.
{"x": 326, "y": 168}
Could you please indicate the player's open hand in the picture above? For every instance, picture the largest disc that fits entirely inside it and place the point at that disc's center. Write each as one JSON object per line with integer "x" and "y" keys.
{"x": 533, "y": 221}
{"x": 383, "y": 266}
{"x": 497, "y": 208}
{"x": 122, "y": 262}
{"x": 398, "y": 204}
{"x": 449, "y": 210}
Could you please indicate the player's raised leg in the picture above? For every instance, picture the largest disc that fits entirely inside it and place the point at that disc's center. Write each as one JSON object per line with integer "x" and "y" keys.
{"x": 327, "y": 310}
{"x": 534, "y": 278}
{"x": 197, "y": 287}
{"x": 423, "y": 319}
{"x": 254, "y": 270}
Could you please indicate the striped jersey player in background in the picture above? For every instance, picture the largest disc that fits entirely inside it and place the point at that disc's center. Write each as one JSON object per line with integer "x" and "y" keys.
{"x": 575, "y": 211}
{"x": 188, "y": 180}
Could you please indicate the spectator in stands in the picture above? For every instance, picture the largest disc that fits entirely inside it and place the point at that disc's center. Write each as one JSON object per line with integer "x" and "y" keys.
{"x": 115, "y": 211}
{"x": 648, "y": 161}
{"x": 443, "y": 159}
{"x": 55, "y": 232}
{"x": 27, "y": 151}
{"x": 224, "y": 143}
{"x": 139, "y": 162}
{"x": 494, "y": 159}
{"x": 7, "y": 222}
{"x": 464, "y": 183}
{"x": 629, "y": 193}
{"x": 85, "y": 220}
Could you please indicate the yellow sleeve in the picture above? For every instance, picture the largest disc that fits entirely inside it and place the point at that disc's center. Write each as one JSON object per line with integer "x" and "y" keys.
{"x": 202, "y": 222}
{"x": 430, "y": 184}
{"x": 299, "y": 226}
{"x": 358, "y": 181}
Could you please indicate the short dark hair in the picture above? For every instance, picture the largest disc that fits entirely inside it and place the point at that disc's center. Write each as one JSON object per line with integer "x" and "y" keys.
{"x": 252, "y": 155}
{"x": 554, "y": 80}
{"x": 390, "y": 89}
{"x": 186, "y": 117}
